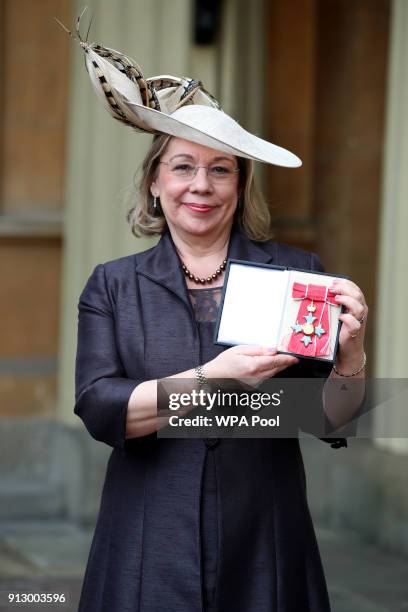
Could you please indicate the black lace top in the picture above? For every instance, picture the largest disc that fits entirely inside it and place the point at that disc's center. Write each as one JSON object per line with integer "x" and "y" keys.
{"x": 205, "y": 301}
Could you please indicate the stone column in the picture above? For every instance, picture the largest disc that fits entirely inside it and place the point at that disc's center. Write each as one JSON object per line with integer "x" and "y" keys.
{"x": 391, "y": 345}
{"x": 103, "y": 155}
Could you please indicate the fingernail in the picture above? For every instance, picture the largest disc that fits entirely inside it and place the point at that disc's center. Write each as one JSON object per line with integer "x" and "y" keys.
{"x": 272, "y": 349}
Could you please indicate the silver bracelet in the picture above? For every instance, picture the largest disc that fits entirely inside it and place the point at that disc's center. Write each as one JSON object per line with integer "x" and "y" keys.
{"x": 360, "y": 369}
{"x": 202, "y": 380}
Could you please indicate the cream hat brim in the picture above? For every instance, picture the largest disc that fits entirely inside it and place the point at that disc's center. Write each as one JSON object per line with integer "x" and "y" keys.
{"x": 213, "y": 128}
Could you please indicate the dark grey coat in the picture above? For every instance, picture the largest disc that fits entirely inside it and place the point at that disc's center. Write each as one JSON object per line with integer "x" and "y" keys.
{"x": 136, "y": 323}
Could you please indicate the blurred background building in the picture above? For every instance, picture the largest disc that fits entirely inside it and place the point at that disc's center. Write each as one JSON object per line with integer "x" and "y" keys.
{"x": 327, "y": 79}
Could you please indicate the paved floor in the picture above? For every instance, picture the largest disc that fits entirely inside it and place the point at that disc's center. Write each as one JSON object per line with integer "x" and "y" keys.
{"x": 360, "y": 577}
{"x": 51, "y": 558}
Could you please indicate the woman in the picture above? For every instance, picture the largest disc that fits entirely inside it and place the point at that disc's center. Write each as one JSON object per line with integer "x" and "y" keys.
{"x": 192, "y": 524}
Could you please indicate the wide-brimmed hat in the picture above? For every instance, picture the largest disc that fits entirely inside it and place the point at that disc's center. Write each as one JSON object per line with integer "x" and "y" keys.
{"x": 179, "y": 106}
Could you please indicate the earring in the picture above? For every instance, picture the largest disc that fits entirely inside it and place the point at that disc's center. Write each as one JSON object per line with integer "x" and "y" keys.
{"x": 156, "y": 206}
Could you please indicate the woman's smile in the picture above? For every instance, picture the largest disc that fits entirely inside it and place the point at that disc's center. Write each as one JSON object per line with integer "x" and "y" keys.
{"x": 199, "y": 208}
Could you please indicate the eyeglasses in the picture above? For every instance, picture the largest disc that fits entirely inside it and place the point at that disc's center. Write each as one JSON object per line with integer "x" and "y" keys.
{"x": 216, "y": 172}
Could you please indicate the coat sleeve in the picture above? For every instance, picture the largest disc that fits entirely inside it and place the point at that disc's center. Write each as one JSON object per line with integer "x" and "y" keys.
{"x": 102, "y": 389}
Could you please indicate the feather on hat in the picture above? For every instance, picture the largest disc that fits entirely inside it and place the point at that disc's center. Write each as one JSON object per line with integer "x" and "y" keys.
{"x": 179, "y": 106}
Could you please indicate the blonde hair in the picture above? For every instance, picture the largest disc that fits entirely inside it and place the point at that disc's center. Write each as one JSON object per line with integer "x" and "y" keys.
{"x": 252, "y": 215}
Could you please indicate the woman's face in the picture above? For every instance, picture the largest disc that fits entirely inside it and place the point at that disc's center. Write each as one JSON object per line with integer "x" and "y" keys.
{"x": 202, "y": 204}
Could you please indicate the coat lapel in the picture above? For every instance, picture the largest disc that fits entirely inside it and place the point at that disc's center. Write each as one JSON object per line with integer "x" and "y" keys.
{"x": 241, "y": 247}
{"x": 162, "y": 265}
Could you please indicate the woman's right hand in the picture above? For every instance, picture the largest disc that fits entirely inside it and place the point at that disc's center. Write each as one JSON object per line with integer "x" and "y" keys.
{"x": 248, "y": 364}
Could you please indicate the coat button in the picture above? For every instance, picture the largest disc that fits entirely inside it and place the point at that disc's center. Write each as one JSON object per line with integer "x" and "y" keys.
{"x": 211, "y": 442}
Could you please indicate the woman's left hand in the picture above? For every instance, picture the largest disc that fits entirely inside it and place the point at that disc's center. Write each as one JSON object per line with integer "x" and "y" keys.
{"x": 354, "y": 318}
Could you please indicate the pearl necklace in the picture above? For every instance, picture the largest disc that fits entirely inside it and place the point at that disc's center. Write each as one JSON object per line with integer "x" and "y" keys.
{"x": 208, "y": 279}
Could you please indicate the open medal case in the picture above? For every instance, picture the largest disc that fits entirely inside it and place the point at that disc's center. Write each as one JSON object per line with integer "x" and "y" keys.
{"x": 273, "y": 306}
